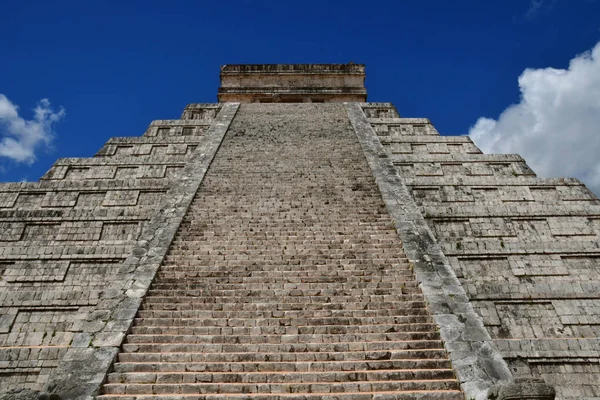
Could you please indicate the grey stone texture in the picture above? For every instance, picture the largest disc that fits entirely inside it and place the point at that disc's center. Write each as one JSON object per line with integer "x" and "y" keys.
{"x": 292, "y": 83}
{"x": 28, "y": 394}
{"x": 525, "y": 249}
{"x": 522, "y": 389}
{"x": 474, "y": 358}
{"x": 80, "y": 248}
{"x": 286, "y": 280}
{"x": 302, "y": 251}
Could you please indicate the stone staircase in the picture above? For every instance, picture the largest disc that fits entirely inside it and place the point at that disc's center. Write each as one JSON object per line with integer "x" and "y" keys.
{"x": 286, "y": 279}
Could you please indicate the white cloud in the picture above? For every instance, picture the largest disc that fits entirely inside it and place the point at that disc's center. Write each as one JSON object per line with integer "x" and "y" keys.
{"x": 21, "y": 138}
{"x": 556, "y": 126}
{"x": 534, "y": 8}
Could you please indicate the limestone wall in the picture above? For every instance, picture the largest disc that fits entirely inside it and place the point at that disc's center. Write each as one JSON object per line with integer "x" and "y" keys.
{"x": 286, "y": 279}
{"x": 79, "y": 248}
{"x": 526, "y": 249}
{"x": 292, "y": 83}
{"x": 64, "y": 240}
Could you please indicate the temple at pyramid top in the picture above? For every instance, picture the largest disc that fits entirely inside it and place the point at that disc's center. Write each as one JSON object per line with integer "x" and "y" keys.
{"x": 292, "y": 83}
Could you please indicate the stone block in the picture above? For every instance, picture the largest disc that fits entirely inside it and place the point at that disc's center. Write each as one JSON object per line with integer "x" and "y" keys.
{"x": 522, "y": 389}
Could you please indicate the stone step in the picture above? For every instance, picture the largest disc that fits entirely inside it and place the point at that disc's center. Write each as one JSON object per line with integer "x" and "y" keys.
{"x": 305, "y": 356}
{"x": 271, "y": 225}
{"x": 382, "y": 395}
{"x": 279, "y": 338}
{"x": 278, "y": 306}
{"x": 315, "y": 347}
{"x": 290, "y": 221}
{"x": 243, "y": 241}
{"x": 185, "y": 285}
{"x": 283, "y": 294}
{"x": 257, "y": 232}
{"x": 205, "y": 249}
{"x": 280, "y": 330}
{"x": 234, "y": 238}
{"x": 244, "y": 213}
{"x": 282, "y": 377}
{"x": 400, "y": 312}
{"x": 288, "y": 252}
{"x": 252, "y": 236}
{"x": 255, "y": 279}
{"x": 282, "y": 273}
{"x": 284, "y": 265}
{"x": 285, "y": 289}
{"x": 308, "y": 263}
{"x": 299, "y": 298}
{"x": 307, "y": 387}
{"x": 280, "y": 279}
{"x": 384, "y": 248}
{"x": 269, "y": 205}
{"x": 179, "y": 321}
{"x": 309, "y": 266}
{"x": 308, "y": 258}
{"x": 367, "y": 365}
{"x": 215, "y": 231}
{"x": 297, "y": 225}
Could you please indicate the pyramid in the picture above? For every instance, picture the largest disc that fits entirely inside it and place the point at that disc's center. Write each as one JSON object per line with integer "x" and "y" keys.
{"x": 293, "y": 241}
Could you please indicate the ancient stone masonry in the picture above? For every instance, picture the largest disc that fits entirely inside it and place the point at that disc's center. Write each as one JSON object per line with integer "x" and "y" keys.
{"x": 64, "y": 241}
{"x": 286, "y": 277}
{"x": 293, "y": 83}
{"x": 526, "y": 249}
{"x": 322, "y": 249}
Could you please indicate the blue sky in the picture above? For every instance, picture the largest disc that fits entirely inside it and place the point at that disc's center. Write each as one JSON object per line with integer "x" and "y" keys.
{"x": 114, "y": 66}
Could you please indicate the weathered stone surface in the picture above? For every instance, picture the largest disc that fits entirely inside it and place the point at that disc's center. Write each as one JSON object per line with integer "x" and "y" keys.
{"x": 286, "y": 277}
{"x": 292, "y": 83}
{"x": 28, "y": 394}
{"x": 74, "y": 252}
{"x": 522, "y": 389}
{"x": 475, "y": 359}
{"x": 325, "y": 301}
{"x": 525, "y": 249}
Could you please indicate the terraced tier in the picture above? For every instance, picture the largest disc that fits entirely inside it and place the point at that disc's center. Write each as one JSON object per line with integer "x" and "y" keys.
{"x": 286, "y": 280}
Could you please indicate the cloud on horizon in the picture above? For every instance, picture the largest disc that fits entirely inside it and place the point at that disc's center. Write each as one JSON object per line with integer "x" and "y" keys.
{"x": 21, "y": 138}
{"x": 556, "y": 125}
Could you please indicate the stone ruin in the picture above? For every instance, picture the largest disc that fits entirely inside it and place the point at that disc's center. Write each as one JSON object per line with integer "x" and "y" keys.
{"x": 293, "y": 241}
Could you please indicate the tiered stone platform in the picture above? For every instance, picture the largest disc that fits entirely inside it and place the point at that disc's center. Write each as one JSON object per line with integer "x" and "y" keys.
{"x": 286, "y": 279}
{"x": 311, "y": 250}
